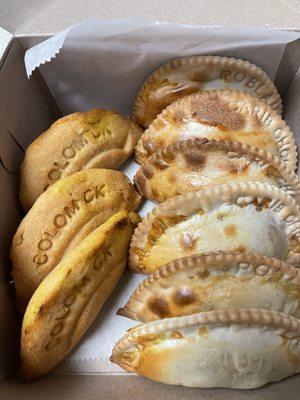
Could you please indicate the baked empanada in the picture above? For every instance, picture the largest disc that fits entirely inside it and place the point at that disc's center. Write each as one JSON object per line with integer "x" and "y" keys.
{"x": 214, "y": 281}
{"x": 242, "y": 349}
{"x": 187, "y": 75}
{"x": 70, "y": 297}
{"x": 220, "y": 115}
{"x": 80, "y": 141}
{"x": 244, "y": 216}
{"x": 61, "y": 217}
{"x": 195, "y": 164}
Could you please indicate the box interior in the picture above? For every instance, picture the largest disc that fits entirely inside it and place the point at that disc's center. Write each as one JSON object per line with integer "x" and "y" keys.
{"x": 27, "y": 109}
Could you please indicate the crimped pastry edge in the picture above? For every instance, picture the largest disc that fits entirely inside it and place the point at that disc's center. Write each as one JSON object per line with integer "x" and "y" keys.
{"x": 221, "y": 258}
{"x": 223, "y": 192}
{"x": 180, "y": 146}
{"x": 249, "y": 316}
{"x": 286, "y": 140}
{"x": 225, "y": 62}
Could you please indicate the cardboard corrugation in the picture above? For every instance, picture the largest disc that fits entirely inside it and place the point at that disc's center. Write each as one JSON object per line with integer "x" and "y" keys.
{"x": 26, "y": 110}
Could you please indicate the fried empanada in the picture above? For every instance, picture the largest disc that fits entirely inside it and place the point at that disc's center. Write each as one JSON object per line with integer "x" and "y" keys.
{"x": 243, "y": 216}
{"x": 214, "y": 281}
{"x": 195, "y": 164}
{"x": 61, "y": 217}
{"x": 220, "y": 115}
{"x": 241, "y": 349}
{"x": 187, "y": 75}
{"x": 70, "y": 297}
{"x": 80, "y": 141}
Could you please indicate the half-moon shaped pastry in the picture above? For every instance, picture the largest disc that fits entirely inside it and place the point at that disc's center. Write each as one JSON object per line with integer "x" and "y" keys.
{"x": 196, "y": 164}
{"x": 187, "y": 75}
{"x": 80, "y": 141}
{"x": 220, "y": 115}
{"x": 61, "y": 217}
{"x": 244, "y": 216}
{"x": 241, "y": 349}
{"x": 214, "y": 281}
{"x": 70, "y": 297}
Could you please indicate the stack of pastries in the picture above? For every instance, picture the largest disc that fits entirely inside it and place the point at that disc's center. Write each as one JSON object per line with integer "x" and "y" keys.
{"x": 220, "y": 306}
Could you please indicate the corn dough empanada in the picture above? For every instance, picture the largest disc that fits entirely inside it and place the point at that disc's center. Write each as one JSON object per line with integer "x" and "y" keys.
{"x": 61, "y": 217}
{"x": 70, "y": 297}
{"x": 80, "y": 141}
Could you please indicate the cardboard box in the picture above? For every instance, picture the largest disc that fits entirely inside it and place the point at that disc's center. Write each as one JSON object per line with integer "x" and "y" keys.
{"x": 27, "y": 108}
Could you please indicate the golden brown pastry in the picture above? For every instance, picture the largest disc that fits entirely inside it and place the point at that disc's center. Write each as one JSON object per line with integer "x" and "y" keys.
{"x": 196, "y": 164}
{"x": 70, "y": 297}
{"x": 80, "y": 141}
{"x": 241, "y": 349}
{"x": 242, "y": 216}
{"x": 220, "y": 115}
{"x": 187, "y": 75}
{"x": 61, "y": 217}
{"x": 213, "y": 281}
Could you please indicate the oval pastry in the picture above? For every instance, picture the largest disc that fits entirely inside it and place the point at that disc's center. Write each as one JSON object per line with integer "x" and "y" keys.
{"x": 61, "y": 217}
{"x": 220, "y": 115}
{"x": 196, "y": 164}
{"x": 234, "y": 217}
{"x": 241, "y": 349}
{"x": 80, "y": 141}
{"x": 187, "y": 75}
{"x": 70, "y": 297}
{"x": 214, "y": 281}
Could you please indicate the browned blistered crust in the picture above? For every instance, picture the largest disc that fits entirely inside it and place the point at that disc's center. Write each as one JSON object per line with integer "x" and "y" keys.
{"x": 228, "y": 110}
{"x": 251, "y": 316}
{"x": 182, "y": 206}
{"x": 260, "y": 266}
{"x": 146, "y": 109}
{"x": 194, "y": 151}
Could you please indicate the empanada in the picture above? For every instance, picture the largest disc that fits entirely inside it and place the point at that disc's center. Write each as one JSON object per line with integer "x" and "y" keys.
{"x": 187, "y": 75}
{"x": 80, "y": 141}
{"x": 243, "y": 349}
{"x": 61, "y": 217}
{"x": 214, "y": 281}
{"x": 220, "y": 115}
{"x": 195, "y": 164}
{"x": 70, "y": 297}
{"x": 244, "y": 216}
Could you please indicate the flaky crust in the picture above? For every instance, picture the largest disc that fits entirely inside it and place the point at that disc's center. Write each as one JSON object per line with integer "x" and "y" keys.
{"x": 221, "y": 115}
{"x": 92, "y": 139}
{"x": 244, "y": 348}
{"x": 182, "y": 76}
{"x": 69, "y": 299}
{"x": 185, "y": 166}
{"x": 61, "y": 217}
{"x": 282, "y": 206}
{"x": 217, "y": 280}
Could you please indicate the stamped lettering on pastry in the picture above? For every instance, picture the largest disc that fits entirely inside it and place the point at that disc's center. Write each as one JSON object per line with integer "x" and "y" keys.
{"x": 220, "y": 115}
{"x": 61, "y": 217}
{"x": 241, "y": 349}
{"x": 196, "y": 164}
{"x": 80, "y": 141}
{"x": 213, "y": 281}
{"x": 70, "y": 297}
{"x": 184, "y": 76}
{"x": 244, "y": 216}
